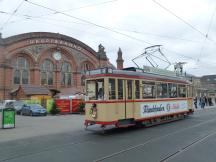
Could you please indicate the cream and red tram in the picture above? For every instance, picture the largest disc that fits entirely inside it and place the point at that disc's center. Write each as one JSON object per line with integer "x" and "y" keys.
{"x": 131, "y": 96}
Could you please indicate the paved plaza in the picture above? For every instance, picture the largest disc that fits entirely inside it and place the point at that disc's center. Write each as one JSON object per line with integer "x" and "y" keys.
{"x": 63, "y": 138}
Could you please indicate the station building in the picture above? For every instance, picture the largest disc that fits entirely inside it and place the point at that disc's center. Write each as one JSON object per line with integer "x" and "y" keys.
{"x": 52, "y": 60}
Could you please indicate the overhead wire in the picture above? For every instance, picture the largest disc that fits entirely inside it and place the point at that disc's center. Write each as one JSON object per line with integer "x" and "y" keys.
{"x": 157, "y": 35}
{"x": 65, "y": 21}
{"x": 26, "y": 17}
{"x": 100, "y": 26}
{"x": 209, "y": 26}
{"x": 106, "y": 28}
{"x": 132, "y": 31}
{"x": 77, "y": 8}
{"x": 89, "y": 22}
{"x": 184, "y": 21}
{"x": 9, "y": 18}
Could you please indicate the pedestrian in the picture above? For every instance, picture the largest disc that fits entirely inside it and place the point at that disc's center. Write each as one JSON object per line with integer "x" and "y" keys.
{"x": 203, "y": 102}
{"x": 195, "y": 102}
{"x": 206, "y": 100}
{"x": 209, "y": 101}
{"x": 200, "y": 100}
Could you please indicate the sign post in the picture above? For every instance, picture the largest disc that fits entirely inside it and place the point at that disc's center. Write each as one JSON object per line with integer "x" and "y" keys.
{"x": 8, "y": 118}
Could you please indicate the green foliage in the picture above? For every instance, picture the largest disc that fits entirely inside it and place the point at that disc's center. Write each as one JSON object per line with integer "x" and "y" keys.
{"x": 81, "y": 106}
{"x": 54, "y": 110}
{"x": 49, "y": 104}
{"x": 32, "y": 101}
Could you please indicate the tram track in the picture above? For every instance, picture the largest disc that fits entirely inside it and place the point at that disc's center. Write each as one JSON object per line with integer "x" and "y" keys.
{"x": 187, "y": 147}
{"x": 56, "y": 147}
{"x": 159, "y": 138}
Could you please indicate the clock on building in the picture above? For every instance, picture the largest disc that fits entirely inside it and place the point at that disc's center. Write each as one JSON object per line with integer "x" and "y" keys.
{"x": 57, "y": 55}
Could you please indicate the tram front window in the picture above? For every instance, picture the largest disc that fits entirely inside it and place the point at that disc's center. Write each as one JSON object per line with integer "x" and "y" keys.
{"x": 95, "y": 89}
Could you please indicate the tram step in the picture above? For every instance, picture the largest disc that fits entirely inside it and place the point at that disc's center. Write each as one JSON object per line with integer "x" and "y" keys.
{"x": 125, "y": 122}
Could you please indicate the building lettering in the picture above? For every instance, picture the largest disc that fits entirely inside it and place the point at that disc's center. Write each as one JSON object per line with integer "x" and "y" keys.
{"x": 56, "y": 41}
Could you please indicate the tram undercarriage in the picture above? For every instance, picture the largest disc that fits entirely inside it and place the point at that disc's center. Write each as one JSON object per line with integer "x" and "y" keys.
{"x": 148, "y": 122}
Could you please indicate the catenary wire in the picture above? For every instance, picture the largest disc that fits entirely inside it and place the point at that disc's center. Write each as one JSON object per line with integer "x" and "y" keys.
{"x": 77, "y": 8}
{"x": 26, "y": 17}
{"x": 184, "y": 21}
{"x": 157, "y": 35}
{"x": 119, "y": 29}
{"x": 89, "y": 22}
{"x": 100, "y": 26}
{"x": 115, "y": 31}
{"x": 209, "y": 26}
{"x": 5, "y": 23}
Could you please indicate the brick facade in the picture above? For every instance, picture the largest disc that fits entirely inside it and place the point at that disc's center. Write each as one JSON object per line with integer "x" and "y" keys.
{"x": 37, "y": 47}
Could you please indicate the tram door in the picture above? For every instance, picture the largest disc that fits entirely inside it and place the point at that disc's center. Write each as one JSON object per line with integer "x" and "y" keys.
{"x": 125, "y": 91}
{"x": 122, "y": 86}
{"x": 129, "y": 99}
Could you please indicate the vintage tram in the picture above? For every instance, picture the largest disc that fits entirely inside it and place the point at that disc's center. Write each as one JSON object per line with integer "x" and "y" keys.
{"x": 136, "y": 96}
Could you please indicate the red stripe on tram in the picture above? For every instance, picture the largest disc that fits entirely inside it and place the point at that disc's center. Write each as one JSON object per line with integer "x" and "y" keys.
{"x": 136, "y": 77}
{"x": 138, "y": 100}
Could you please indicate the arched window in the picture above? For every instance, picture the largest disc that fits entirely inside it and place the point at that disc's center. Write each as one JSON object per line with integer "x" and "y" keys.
{"x": 47, "y": 72}
{"x": 66, "y": 74}
{"x": 83, "y": 80}
{"x": 21, "y": 71}
{"x": 85, "y": 67}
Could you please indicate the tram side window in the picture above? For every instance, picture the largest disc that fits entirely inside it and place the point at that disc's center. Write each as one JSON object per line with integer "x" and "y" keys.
{"x": 181, "y": 91}
{"x": 95, "y": 89}
{"x": 112, "y": 94}
{"x": 137, "y": 89}
{"x": 120, "y": 89}
{"x": 129, "y": 85}
{"x": 162, "y": 90}
{"x": 149, "y": 90}
{"x": 172, "y": 90}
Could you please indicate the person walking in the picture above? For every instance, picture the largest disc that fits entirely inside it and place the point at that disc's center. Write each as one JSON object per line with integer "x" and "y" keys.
{"x": 203, "y": 102}
{"x": 195, "y": 102}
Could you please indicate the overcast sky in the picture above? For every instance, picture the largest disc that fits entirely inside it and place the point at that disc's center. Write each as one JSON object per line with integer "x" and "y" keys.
{"x": 132, "y": 25}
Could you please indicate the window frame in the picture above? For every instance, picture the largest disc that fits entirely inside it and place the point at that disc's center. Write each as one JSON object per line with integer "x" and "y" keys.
{"x": 118, "y": 90}
{"x": 66, "y": 74}
{"x": 111, "y": 89}
{"x": 47, "y": 70}
{"x": 153, "y": 89}
{"x": 96, "y": 89}
{"x": 21, "y": 69}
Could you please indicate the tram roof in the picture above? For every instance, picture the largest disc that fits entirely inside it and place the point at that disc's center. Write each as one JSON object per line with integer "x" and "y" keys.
{"x": 148, "y": 73}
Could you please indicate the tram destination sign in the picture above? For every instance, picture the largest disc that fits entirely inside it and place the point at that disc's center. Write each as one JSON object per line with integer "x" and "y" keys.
{"x": 158, "y": 71}
{"x": 150, "y": 109}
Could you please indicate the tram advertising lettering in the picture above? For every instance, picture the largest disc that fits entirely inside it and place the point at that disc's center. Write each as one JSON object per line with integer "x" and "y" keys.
{"x": 147, "y": 109}
{"x": 150, "y": 109}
